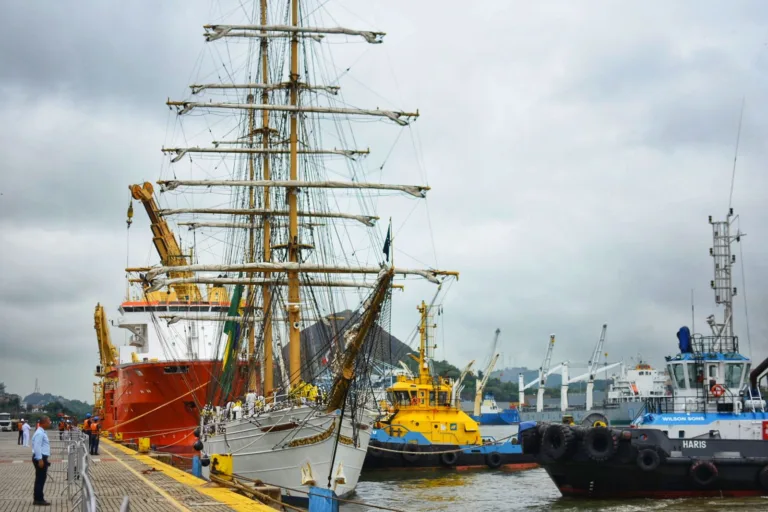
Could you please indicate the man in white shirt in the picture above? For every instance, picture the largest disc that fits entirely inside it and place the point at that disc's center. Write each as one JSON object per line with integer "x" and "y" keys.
{"x": 25, "y": 431}
{"x": 41, "y": 450}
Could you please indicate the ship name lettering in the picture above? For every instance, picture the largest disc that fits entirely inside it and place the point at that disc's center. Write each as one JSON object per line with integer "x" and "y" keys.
{"x": 694, "y": 444}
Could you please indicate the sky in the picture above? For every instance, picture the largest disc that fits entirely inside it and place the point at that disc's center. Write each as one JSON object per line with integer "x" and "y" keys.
{"x": 574, "y": 152}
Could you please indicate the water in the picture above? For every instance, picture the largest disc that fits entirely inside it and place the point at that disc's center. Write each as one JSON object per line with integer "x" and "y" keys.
{"x": 485, "y": 491}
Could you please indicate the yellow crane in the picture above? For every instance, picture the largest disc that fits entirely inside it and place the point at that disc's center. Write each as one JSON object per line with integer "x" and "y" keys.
{"x": 165, "y": 243}
{"x": 108, "y": 357}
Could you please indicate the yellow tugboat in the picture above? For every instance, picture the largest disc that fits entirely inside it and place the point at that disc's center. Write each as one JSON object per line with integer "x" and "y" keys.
{"x": 424, "y": 427}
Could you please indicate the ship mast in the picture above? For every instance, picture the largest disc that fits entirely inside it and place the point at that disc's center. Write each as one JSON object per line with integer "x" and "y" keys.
{"x": 294, "y": 313}
{"x": 722, "y": 284}
{"x": 268, "y": 364}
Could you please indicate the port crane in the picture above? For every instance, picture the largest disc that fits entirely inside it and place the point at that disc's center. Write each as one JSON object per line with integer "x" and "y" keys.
{"x": 458, "y": 385}
{"x": 480, "y": 386}
{"x": 544, "y": 372}
{"x": 594, "y": 369}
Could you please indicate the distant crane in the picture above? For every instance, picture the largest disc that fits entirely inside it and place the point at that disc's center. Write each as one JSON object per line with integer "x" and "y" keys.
{"x": 480, "y": 386}
{"x": 544, "y": 372}
{"x": 457, "y": 386}
{"x": 590, "y": 375}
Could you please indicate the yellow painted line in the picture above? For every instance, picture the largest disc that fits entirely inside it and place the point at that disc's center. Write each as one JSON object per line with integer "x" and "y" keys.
{"x": 162, "y": 493}
{"x": 223, "y": 495}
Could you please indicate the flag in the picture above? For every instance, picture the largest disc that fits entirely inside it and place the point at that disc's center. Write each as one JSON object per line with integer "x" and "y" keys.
{"x": 388, "y": 241}
{"x": 232, "y": 328}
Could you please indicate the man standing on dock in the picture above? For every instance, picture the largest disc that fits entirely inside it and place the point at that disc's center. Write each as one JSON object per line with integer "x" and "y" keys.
{"x": 41, "y": 450}
{"x": 25, "y": 431}
{"x": 21, "y": 431}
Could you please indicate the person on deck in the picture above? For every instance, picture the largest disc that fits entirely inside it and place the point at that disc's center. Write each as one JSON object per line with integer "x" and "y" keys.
{"x": 87, "y": 428}
{"x": 25, "y": 430}
{"x": 20, "y": 426}
{"x": 95, "y": 433}
{"x": 41, "y": 450}
{"x": 62, "y": 427}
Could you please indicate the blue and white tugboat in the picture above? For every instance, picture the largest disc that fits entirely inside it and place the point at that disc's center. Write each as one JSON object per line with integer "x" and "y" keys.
{"x": 709, "y": 439}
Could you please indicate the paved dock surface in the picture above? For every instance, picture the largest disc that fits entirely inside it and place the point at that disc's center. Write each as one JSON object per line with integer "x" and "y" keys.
{"x": 116, "y": 472}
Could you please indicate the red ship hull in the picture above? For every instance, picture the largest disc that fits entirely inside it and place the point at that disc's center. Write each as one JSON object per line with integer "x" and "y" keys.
{"x": 163, "y": 400}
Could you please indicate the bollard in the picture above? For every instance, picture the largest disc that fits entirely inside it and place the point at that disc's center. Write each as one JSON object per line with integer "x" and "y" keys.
{"x": 322, "y": 500}
{"x": 197, "y": 469}
{"x": 143, "y": 445}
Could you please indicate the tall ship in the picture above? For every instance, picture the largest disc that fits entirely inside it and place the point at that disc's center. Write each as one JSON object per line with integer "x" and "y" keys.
{"x": 265, "y": 173}
{"x": 710, "y": 438}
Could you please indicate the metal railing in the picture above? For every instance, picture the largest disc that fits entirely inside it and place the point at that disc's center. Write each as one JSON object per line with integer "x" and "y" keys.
{"x": 80, "y": 490}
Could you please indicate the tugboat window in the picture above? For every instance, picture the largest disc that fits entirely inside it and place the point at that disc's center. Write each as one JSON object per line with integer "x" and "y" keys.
{"x": 733, "y": 373}
{"x": 681, "y": 434}
{"x": 678, "y": 373}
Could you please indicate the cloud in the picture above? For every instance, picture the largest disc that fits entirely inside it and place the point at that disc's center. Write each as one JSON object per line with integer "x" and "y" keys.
{"x": 574, "y": 155}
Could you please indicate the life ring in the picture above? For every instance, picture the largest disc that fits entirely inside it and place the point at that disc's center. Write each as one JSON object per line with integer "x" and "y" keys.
{"x": 600, "y": 444}
{"x": 493, "y": 460}
{"x": 762, "y": 478}
{"x": 449, "y": 458}
{"x": 557, "y": 441}
{"x": 414, "y": 401}
{"x": 703, "y": 473}
{"x": 718, "y": 390}
{"x": 411, "y": 452}
{"x": 648, "y": 459}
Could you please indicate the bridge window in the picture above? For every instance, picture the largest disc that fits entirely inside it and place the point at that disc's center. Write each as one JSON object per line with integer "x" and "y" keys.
{"x": 678, "y": 373}
{"x": 733, "y": 374}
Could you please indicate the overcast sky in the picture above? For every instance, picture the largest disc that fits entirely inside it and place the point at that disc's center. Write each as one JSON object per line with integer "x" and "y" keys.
{"x": 574, "y": 150}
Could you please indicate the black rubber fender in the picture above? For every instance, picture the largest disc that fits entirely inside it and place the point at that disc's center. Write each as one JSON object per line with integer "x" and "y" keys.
{"x": 411, "y": 452}
{"x": 449, "y": 458}
{"x": 205, "y": 461}
{"x": 648, "y": 459}
{"x": 530, "y": 441}
{"x": 557, "y": 441}
{"x": 493, "y": 460}
{"x": 600, "y": 444}
{"x": 198, "y": 445}
{"x": 762, "y": 478}
{"x": 373, "y": 449}
{"x": 703, "y": 473}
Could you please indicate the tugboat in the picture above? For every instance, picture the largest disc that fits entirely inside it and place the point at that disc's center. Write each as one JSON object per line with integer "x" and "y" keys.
{"x": 709, "y": 439}
{"x": 424, "y": 427}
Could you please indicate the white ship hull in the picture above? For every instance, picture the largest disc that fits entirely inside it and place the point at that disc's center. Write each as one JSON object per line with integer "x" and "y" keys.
{"x": 277, "y": 457}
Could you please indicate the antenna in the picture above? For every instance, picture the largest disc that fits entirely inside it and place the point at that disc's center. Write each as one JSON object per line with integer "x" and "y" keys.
{"x": 693, "y": 314}
{"x": 37, "y": 386}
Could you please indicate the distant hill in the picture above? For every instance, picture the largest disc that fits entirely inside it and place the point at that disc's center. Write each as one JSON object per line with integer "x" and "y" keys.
{"x": 76, "y": 407}
{"x": 316, "y": 338}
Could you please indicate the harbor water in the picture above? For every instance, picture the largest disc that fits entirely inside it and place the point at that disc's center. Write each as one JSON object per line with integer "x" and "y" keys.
{"x": 485, "y": 491}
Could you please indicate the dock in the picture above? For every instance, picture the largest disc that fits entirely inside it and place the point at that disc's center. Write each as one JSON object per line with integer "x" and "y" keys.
{"x": 116, "y": 473}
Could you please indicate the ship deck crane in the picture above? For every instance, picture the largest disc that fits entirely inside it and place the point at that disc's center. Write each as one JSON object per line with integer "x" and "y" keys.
{"x": 544, "y": 372}
{"x": 480, "y": 386}
{"x": 594, "y": 369}
{"x": 165, "y": 243}
{"x": 108, "y": 356}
